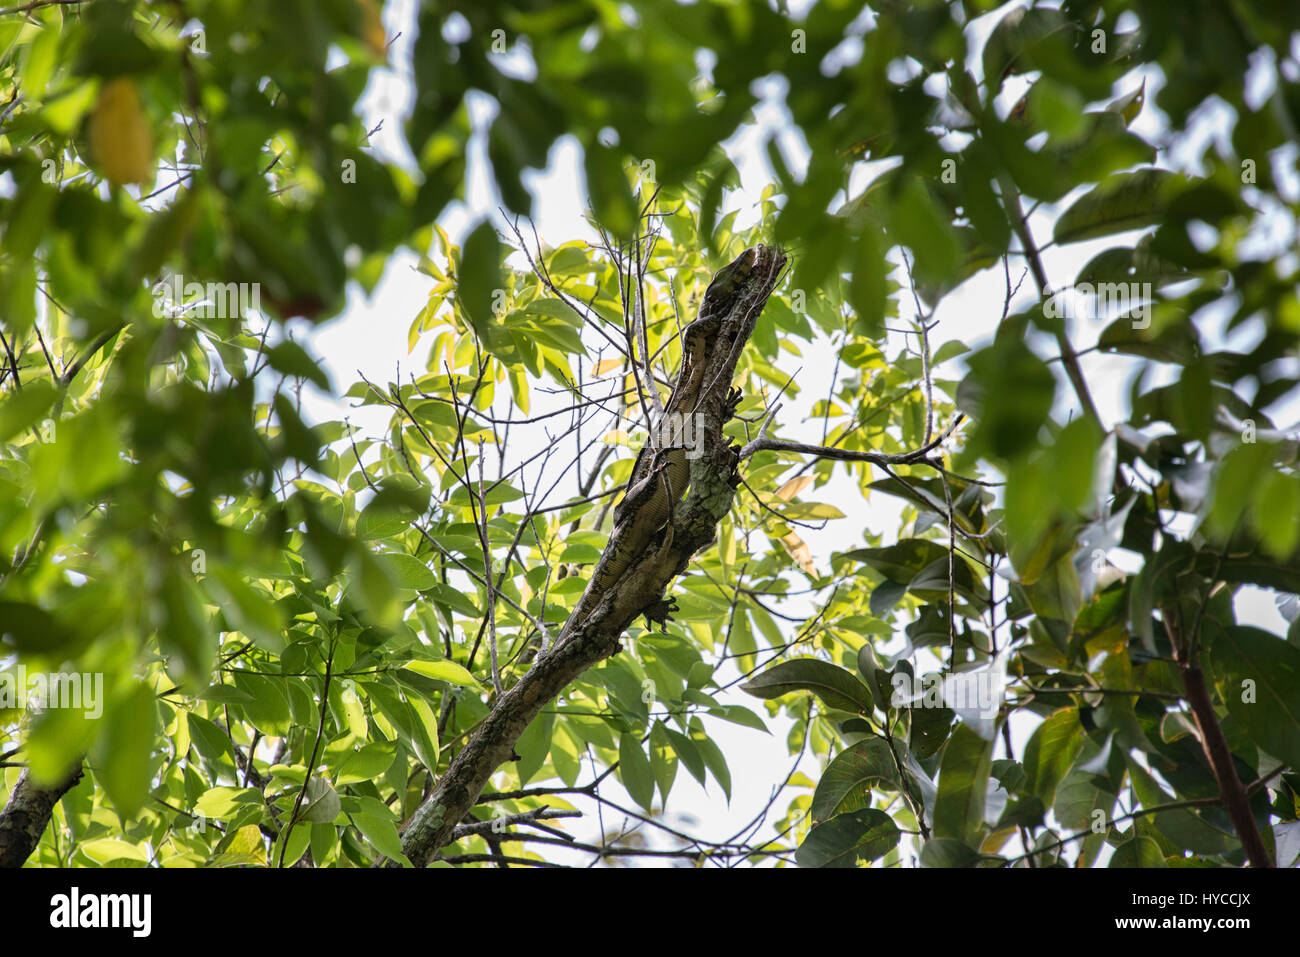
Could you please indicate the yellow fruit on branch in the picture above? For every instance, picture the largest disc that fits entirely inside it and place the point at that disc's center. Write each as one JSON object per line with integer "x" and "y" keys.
{"x": 120, "y": 139}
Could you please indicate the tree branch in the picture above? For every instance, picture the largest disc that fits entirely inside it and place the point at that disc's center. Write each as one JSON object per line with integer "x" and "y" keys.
{"x": 1213, "y": 743}
{"x": 1011, "y": 201}
{"x": 763, "y": 444}
{"x": 596, "y": 635}
{"x": 27, "y": 814}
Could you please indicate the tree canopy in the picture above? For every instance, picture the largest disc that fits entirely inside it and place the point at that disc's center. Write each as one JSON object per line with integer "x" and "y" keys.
{"x": 294, "y": 638}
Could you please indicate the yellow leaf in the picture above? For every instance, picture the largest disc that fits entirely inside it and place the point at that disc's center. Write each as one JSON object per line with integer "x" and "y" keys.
{"x": 111, "y": 849}
{"x": 800, "y": 552}
{"x": 248, "y": 840}
{"x": 995, "y": 841}
{"x": 793, "y": 487}
{"x": 372, "y": 28}
{"x": 120, "y": 138}
{"x": 606, "y": 365}
{"x": 814, "y": 511}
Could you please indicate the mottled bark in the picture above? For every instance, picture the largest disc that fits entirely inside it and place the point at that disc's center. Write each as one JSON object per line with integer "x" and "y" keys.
{"x": 25, "y": 816}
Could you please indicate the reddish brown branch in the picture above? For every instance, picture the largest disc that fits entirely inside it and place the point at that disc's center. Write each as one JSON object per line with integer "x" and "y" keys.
{"x": 1215, "y": 745}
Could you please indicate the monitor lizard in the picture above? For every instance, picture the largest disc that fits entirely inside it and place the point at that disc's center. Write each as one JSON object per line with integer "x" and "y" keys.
{"x": 661, "y": 470}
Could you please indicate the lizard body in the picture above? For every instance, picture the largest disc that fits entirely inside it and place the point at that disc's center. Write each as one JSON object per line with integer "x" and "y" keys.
{"x": 696, "y": 338}
{"x": 661, "y": 471}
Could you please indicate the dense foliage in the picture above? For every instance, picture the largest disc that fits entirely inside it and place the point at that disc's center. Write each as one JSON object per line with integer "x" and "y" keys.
{"x": 296, "y": 624}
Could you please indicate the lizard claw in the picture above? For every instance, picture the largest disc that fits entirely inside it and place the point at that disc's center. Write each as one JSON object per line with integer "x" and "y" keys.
{"x": 729, "y": 407}
{"x": 734, "y": 478}
{"x": 661, "y": 612}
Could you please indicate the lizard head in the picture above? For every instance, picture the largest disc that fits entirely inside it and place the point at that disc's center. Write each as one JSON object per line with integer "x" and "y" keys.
{"x": 727, "y": 279}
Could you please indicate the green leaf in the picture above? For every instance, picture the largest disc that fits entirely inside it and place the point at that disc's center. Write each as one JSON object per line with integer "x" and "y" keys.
{"x": 685, "y": 749}
{"x": 382, "y": 833}
{"x": 663, "y": 760}
{"x": 846, "y": 783}
{"x": 608, "y": 186}
{"x": 31, "y": 630}
{"x": 124, "y": 749}
{"x": 107, "y": 849}
{"x": 1023, "y": 812}
{"x": 868, "y": 289}
{"x": 1104, "y": 147}
{"x": 1259, "y": 677}
{"x": 375, "y": 587}
{"x": 210, "y": 741}
{"x": 292, "y": 359}
{"x": 838, "y": 688}
{"x": 221, "y": 803}
{"x": 917, "y": 221}
{"x": 455, "y": 599}
{"x": 712, "y": 755}
{"x": 481, "y": 278}
{"x": 1056, "y": 593}
{"x": 1178, "y": 344}
{"x": 1152, "y": 584}
{"x": 424, "y": 732}
{"x": 1182, "y": 826}
{"x": 1051, "y": 751}
{"x": 566, "y": 755}
{"x": 634, "y": 770}
{"x": 447, "y": 671}
{"x": 246, "y": 608}
{"x": 533, "y": 746}
{"x": 964, "y": 769}
{"x": 810, "y": 511}
{"x": 1009, "y": 48}
{"x": 394, "y": 507}
{"x": 1123, "y": 202}
{"x": 917, "y": 564}
{"x": 1139, "y": 852}
{"x": 320, "y": 803}
{"x": 1277, "y": 513}
{"x": 408, "y": 571}
{"x": 244, "y": 848}
{"x": 187, "y": 628}
{"x": 1077, "y": 797}
{"x": 1007, "y": 419}
{"x": 1137, "y": 265}
{"x": 268, "y": 704}
{"x": 365, "y": 764}
{"x": 24, "y": 408}
{"x": 28, "y": 217}
{"x": 848, "y": 839}
{"x": 930, "y": 727}
{"x": 739, "y": 714}
{"x": 295, "y": 842}
{"x": 324, "y": 844}
{"x": 946, "y": 852}
{"x": 350, "y": 711}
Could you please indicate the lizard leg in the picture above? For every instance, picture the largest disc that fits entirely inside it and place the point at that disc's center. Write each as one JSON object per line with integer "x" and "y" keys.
{"x": 734, "y": 477}
{"x": 729, "y": 407}
{"x": 661, "y": 612}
